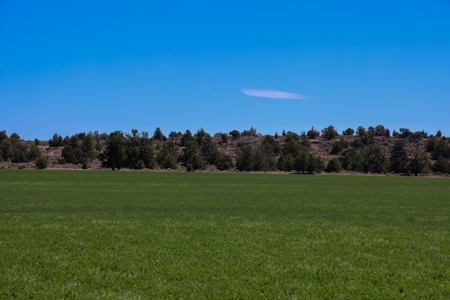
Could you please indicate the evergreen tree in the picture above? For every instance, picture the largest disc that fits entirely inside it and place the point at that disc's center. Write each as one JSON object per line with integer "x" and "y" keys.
{"x": 115, "y": 154}
{"x": 418, "y": 162}
{"x": 399, "y": 157}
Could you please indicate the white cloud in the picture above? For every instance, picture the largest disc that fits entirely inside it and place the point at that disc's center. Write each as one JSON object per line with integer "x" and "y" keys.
{"x": 271, "y": 94}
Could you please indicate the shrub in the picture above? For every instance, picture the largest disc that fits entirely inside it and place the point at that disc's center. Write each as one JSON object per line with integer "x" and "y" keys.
{"x": 197, "y": 162}
{"x": 189, "y": 168}
{"x": 41, "y": 162}
{"x": 334, "y": 165}
{"x": 224, "y": 162}
{"x": 85, "y": 166}
{"x": 224, "y": 138}
{"x": 140, "y": 165}
{"x": 338, "y": 146}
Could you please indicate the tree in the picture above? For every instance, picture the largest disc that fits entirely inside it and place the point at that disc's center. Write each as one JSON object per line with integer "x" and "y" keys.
{"x": 361, "y": 131}
{"x": 223, "y": 162}
{"x": 87, "y": 148}
{"x": 224, "y": 138}
{"x": 329, "y": 133}
{"x": 41, "y": 162}
{"x": 348, "y": 131}
{"x": 189, "y": 150}
{"x": 209, "y": 150}
{"x": 304, "y": 140}
{"x": 250, "y": 132}
{"x": 115, "y": 154}
{"x": 158, "y": 135}
{"x": 441, "y": 165}
{"x": 442, "y": 148}
{"x": 352, "y": 160}
{"x": 405, "y": 132}
{"x": 374, "y": 160}
{"x": 312, "y": 133}
{"x": 381, "y": 131}
{"x": 200, "y": 136}
{"x": 418, "y": 162}
{"x": 439, "y": 133}
{"x": 244, "y": 158}
{"x": 56, "y": 141}
{"x": 286, "y": 162}
{"x": 334, "y": 165}
{"x": 167, "y": 157}
{"x": 187, "y": 138}
{"x": 139, "y": 148}
{"x": 197, "y": 162}
{"x": 399, "y": 157}
{"x": 338, "y": 146}
{"x": 33, "y": 153}
{"x": 270, "y": 146}
{"x": 315, "y": 164}
{"x": 302, "y": 161}
{"x": 235, "y": 134}
{"x": 291, "y": 136}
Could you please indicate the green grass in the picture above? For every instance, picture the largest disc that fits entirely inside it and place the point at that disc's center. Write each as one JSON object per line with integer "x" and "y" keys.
{"x": 139, "y": 235}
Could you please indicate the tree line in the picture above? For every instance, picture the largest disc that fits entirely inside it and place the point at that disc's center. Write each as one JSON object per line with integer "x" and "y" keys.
{"x": 287, "y": 152}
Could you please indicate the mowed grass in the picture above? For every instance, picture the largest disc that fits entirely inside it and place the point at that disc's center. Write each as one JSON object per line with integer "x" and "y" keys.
{"x": 140, "y": 235}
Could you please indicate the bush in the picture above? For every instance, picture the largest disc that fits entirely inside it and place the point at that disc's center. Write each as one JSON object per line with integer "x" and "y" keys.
{"x": 338, "y": 146}
{"x": 224, "y": 162}
{"x": 85, "y": 166}
{"x": 224, "y": 138}
{"x": 140, "y": 165}
{"x": 41, "y": 162}
{"x": 197, "y": 162}
{"x": 334, "y": 165}
{"x": 189, "y": 168}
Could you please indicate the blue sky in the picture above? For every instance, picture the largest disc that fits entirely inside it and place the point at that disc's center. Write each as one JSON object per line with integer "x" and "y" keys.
{"x": 81, "y": 66}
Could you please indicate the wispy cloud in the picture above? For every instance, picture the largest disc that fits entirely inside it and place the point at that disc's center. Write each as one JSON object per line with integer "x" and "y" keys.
{"x": 271, "y": 94}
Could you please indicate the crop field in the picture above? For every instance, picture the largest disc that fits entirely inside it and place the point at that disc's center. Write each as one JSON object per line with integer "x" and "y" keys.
{"x": 161, "y": 235}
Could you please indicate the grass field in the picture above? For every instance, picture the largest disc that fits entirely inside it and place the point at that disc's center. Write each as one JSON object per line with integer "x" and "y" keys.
{"x": 139, "y": 235}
